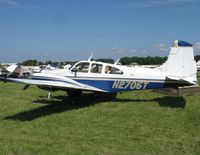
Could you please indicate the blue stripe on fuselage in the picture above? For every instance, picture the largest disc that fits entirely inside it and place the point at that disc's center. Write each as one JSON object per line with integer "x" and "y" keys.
{"x": 123, "y": 85}
{"x": 119, "y": 85}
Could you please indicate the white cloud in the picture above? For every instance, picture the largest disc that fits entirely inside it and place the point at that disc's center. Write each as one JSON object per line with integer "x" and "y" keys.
{"x": 144, "y": 51}
{"x": 169, "y": 2}
{"x": 117, "y": 49}
{"x": 53, "y": 53}
{"x": 47, "y": 54}
{"x": 197, "y": 46}
{"x": 153, "y": 3}
{"x": 162, "y": 47}
{"x": 27, "y": 7}
{"x": 133, "y": 50}
{"x": 8, "y": 2}
{"x": 16, "y": 5}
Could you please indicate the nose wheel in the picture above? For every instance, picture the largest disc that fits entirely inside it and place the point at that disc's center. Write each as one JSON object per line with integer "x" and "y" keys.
{"x": 49, "y": 95}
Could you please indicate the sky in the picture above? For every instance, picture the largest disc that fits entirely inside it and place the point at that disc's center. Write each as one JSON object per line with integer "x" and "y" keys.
{"x": 61, "y": 30}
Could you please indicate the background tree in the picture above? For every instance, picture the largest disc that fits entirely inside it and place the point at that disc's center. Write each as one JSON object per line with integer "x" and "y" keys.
{"x": 143, "y": 60}
{"x": 29, "y": 63}
{"x": 197, "y": 58}
{"x": 107, "y": 60}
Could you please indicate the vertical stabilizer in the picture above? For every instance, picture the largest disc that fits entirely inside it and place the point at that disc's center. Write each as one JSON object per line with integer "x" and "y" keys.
{"x": 180, "y": 63}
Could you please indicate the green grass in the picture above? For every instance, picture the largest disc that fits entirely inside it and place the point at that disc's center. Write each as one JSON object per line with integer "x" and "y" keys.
{"x": 140, "y": 122}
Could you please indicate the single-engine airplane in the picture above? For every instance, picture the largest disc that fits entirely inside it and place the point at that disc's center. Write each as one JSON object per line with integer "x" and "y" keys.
{"x": 178, "y": 70}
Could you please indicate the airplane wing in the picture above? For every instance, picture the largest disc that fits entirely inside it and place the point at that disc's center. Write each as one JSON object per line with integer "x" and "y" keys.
{"x": 49, "y": 80}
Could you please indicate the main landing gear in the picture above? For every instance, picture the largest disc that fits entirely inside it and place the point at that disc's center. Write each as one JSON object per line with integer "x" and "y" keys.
{"x": 106, "y": 96}
{"x": 74, "y": 95}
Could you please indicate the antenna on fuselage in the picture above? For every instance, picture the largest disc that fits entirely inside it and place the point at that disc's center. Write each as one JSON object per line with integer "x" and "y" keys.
{"x": 116, "y": 62}
{"x": 90, "y": 58}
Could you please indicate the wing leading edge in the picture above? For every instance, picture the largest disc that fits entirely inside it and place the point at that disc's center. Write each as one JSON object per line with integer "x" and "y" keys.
{"x": 54, "y": 81}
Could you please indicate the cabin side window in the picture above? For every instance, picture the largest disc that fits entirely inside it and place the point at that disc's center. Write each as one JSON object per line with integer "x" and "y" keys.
{"x": 96, "y": 68}
{"x": 83, "y": 67}
{"x": 112, "y": 70}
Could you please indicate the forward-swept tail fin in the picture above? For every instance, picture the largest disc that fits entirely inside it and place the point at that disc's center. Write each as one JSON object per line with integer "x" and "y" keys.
{"x": 14, "y": 72}
{"x": 3, "y": 72}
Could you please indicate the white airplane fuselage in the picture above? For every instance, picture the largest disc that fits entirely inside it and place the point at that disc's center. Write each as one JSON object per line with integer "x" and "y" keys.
{"x": 178, "y": 70}
{"x": 126, "y": 79}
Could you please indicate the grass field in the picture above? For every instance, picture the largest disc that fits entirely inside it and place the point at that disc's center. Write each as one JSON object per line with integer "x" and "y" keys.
{"x": 140, "y": 122}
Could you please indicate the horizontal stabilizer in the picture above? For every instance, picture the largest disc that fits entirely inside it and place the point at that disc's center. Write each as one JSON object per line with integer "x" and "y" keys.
{"x": 173, "y": 78}
{"x": 190, "y": 80}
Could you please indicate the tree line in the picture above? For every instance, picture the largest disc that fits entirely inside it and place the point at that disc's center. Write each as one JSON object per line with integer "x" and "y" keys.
{"x": 124, "y": 61}
{"x": 143, "y": 60}
{"x": 34, "y": 62}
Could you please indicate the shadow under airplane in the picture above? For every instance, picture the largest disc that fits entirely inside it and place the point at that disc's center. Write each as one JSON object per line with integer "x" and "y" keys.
{"x": 60, "y": 104}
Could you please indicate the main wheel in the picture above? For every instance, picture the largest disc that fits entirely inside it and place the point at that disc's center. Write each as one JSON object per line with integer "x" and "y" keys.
{"x": 106, "y": 96}
{"x": 74, "y": 95}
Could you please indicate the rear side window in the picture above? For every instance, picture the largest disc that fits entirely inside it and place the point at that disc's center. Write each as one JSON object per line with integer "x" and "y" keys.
{"x": 96, "y": 68}
{"x": 112, "y": 70}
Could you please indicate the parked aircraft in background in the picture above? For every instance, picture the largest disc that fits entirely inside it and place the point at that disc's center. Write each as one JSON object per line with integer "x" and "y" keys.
{"x": 17, "y": 71}
{"x": 198, "y": 65}
{"x": 43, "y": 68}
{"x": 178, "y": 70}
